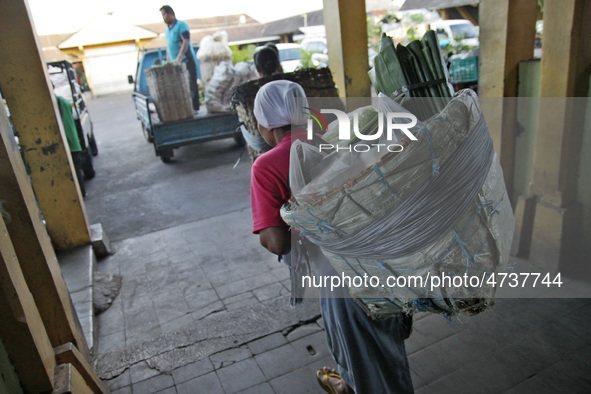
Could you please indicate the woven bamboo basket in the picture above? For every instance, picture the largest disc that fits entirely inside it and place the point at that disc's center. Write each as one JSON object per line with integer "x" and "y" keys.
{"x": 169, "y": 89}
{"x": 316, "y": 83}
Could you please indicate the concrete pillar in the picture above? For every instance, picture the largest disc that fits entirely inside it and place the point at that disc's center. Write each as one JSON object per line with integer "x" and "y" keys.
{"x": 346, "y": 34}
{"x": 28, "y": 92}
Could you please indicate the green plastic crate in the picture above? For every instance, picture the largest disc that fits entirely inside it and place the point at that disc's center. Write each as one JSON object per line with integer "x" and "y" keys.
{"x": 464, "y": 70}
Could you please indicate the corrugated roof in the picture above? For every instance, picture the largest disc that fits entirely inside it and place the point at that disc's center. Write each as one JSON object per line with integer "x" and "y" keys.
{"x": 293, "y": 24}
{"x": 106, "y": 29}
{"x": 435, "y": 4}
{"x": 206, "y": 23}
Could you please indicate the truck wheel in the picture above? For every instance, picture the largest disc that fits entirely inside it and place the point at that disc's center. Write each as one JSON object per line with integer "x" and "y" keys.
{"x": 147, "y": 135}
{"x": 166, "y": 155}
{"x": 238, "y": 137}
{"x": 92, "y": 144}
{"x": 87, "y": 166}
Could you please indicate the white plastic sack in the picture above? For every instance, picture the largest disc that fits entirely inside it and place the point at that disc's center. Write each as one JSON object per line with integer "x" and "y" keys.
{"x": 245, "y": 72}
{"x": 217, "y": 93}
{"x": 213, "y": 50}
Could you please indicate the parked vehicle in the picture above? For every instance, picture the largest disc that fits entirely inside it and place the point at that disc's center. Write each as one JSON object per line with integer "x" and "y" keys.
{"x": 167, "y": 136}
{"x": 290, "y": 56}
{"x": 63, "y": 76}
{"x": 318, "y": 48}
{"x": 456, "y": 33}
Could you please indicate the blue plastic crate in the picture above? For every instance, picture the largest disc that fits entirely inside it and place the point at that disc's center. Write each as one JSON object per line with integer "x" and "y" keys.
{"x": 464, "y": 69}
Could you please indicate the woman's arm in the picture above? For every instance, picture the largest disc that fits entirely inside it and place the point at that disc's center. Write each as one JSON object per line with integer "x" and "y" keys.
{"x": 276, "y": 240}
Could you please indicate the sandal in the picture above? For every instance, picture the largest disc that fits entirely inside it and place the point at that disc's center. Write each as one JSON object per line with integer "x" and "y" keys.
{"x": 322, "y": 378}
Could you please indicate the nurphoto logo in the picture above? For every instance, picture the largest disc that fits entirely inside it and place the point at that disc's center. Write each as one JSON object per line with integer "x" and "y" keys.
{"x": 344, "y": 128}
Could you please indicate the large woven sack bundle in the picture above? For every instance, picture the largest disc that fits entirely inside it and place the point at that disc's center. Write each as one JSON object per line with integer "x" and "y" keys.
{"x": 169, "y": 89}
{"x": 213, "y": 50}
{"x": 437, "y": 208}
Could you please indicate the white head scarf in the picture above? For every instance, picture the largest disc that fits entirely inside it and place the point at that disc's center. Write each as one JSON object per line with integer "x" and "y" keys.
{"x": 280, "y": 103}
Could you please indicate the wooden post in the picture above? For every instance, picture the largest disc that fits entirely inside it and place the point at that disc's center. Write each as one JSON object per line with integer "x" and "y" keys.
{"x": 21, "y": 328}
{"x": 565, "y": 63}
{"x": 346, "y": 34}
{"x": 33, "y": 247}
{"x": 507, "y": 36}
{"x": 27, "y": 90}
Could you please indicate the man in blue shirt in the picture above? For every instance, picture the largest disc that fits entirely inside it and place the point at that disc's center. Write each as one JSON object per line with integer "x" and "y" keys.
{"x": 178, "y": 40}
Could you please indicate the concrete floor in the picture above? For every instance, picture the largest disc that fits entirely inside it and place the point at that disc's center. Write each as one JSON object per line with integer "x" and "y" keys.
{"x": 204, "y": 309}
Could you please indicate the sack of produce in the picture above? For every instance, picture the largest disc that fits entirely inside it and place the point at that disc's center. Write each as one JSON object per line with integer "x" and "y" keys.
{"x": 245, "y": 72}
{"x": 213, "y": 50}
{"x": 217, "y": 93}
{"x": 438, "y": 207}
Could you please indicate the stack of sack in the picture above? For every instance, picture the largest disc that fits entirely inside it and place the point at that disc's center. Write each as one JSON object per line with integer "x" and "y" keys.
{"x": 225, "y": 77}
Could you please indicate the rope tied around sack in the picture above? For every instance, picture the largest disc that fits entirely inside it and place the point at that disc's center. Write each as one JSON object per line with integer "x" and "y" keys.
{"x": 380, "y": 175}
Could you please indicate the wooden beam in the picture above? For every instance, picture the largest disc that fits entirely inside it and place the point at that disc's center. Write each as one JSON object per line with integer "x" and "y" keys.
{"x": 68, "y": 354}
{"x": 466, "y": 15}
{"x": 566, "y": 59}
{"x": 346, "y": 34}
{"x": 33, "y": 246}
{"x": 26, "y": 87}
{"x": 507, "y": 36}
{"x": 21, "y": 328}
{"x": 68, "y": 380}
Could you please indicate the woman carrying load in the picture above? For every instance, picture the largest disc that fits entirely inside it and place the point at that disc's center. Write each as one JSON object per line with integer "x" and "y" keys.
{"x": 370, "y": 355}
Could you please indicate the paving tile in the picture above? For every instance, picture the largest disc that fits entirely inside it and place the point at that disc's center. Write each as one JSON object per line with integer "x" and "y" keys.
{"x": 269, "y": 291}
{"x": 230, "y": 356}
{"x": 311, "y": 347}
{"x": 123, "y": 390}
{"x": 231, "y": 289}
{"x": 141, "y": 371}
{"x": 263, "y": 388}
{"x": 260, "y": 280}
{"x": 111, "y": 342}
{"x": 417, "y": 381}
{"x": 111, "y": 320}
{"x": 303, "y": 331}
{"x": 240, "y": 376}
{"x": 240, "y": 299}
{"x": 192, "y": 371}
{"x": 431, "y": 364}
{"x": 208, "y": 383}
{"x": 267, "y": 343}
{"x": 154, "y": 384}
{"x": 302, "y": 380}
{"x": 179, "y": 324}
{"x": 225, "y": 276}
{"x": 118, "y": 382}
{"x": 214, "y": 307}
{"x": 200, "y": 299}
{"x": 425, "y": 390}
{"x": 140, "y": 322}
{"x": 280, "y": 361}
{"x": 170, "y": 390}
{"x": 169, "y": 309}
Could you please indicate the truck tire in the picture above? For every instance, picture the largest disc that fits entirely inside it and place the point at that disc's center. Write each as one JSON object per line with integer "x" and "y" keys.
{"x": 87, "y": 166}
{"x": 166, "y": 155}
{"x": 92, "y": 144}
{"x": 147, "y": 134}
{"x": 238, "y": 137}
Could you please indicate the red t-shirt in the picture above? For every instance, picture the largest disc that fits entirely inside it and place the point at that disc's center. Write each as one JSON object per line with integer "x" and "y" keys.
{"x": 269, "y": 188}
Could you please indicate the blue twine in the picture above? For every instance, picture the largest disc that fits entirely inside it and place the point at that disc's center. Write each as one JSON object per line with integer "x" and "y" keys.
{"x": 381, "y": 177}
{"x": 435, "y": 166}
